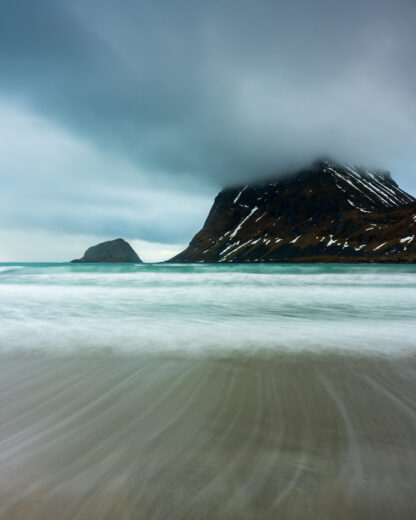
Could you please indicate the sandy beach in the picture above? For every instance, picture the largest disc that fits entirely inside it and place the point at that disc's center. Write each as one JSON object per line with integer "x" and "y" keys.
{"x": 302, "y": 436}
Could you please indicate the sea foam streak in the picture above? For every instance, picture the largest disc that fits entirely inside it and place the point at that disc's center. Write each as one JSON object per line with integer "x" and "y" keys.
{"x": 208, "y": 308}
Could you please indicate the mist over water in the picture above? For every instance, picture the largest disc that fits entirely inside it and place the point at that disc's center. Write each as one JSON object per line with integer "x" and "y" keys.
{"x": 207, "y": 308}
{"x": 207, "y": 391}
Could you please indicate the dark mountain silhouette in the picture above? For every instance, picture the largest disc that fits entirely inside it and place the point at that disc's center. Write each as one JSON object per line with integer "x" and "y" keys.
{"x": 328, "y": 212}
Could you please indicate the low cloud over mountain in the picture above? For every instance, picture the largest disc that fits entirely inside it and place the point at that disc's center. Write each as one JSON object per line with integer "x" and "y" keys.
{"x": 185, "y": 97}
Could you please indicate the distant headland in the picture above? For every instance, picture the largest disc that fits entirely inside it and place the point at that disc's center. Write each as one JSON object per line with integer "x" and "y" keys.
{"x": 326, "y": 212}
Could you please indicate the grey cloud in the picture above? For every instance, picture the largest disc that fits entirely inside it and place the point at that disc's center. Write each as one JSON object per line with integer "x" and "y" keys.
{"x": 219, "y": 90}
{"x": 180, "y": 98}
{"x": 53, "y": 181}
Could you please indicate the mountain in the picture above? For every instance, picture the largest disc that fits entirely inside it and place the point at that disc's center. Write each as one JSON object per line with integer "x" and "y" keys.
{"x": 113, "y": 251}
{"x": 327, "y": 212}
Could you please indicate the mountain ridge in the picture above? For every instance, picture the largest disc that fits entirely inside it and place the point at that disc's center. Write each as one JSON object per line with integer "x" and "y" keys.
{"x": 326, "y": 212}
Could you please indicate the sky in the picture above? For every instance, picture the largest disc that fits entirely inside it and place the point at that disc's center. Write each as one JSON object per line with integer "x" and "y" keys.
{"x": 124, "y": 118}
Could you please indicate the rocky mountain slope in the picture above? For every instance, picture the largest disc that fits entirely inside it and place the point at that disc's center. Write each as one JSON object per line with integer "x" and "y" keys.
{"x": 328, "y": 212}
{"x": 113, "y": 251}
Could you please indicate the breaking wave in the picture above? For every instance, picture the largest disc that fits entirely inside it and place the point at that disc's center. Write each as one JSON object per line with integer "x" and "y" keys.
{"x": 208, "y": 308}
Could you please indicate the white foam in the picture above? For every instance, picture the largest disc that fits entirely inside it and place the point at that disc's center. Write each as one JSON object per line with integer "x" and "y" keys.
{"x": 209, "y": 308}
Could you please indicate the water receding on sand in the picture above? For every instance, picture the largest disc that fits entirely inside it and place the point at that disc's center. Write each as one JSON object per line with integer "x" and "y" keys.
{"x": 195, "y": 391}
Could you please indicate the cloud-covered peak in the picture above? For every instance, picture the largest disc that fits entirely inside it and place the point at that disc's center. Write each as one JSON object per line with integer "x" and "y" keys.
{"x": 197, "y": 95}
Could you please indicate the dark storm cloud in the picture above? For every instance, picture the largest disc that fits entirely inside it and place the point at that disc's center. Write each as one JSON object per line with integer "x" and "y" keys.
{"x": 218, "y": 89}
{"x": 123, "y": 117}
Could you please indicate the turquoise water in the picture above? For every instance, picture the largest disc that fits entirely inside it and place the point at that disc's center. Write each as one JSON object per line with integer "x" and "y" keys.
{"x": 225, "y": 392}
{"x": 207, "y": 308}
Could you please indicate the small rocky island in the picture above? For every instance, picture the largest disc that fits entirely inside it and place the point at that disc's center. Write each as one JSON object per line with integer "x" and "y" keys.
{"x": 112, "y": 251}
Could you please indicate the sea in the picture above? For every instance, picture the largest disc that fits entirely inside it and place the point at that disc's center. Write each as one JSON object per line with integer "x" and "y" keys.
{"x": 207, "y": 391}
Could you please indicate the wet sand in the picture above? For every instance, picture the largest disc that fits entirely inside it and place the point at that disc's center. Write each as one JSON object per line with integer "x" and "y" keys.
{"x": 105, "y": 436}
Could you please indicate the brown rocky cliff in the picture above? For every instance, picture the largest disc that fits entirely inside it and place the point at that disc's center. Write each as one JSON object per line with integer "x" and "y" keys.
{"x": 328, "y": 212}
